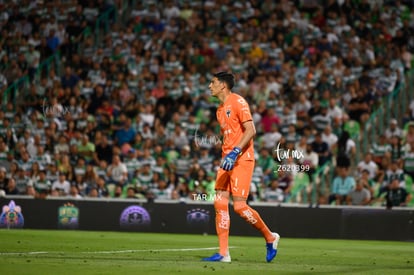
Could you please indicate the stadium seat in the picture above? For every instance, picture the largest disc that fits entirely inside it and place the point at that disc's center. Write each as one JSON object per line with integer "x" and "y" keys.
{"x": 111, "y": 189}
{"x": 300, "y": 182}
{"x": 410, "y": 188}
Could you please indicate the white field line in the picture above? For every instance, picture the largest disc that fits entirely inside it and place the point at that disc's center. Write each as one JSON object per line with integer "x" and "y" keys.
{"x": 23, "y": 253}
{"x": 114, "y": 251}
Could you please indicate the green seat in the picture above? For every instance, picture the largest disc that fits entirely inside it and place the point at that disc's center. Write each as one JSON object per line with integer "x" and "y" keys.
{"x": 300, "y": 182}
{"x": 410, "y": 188}
{"x": 111, "y": 189}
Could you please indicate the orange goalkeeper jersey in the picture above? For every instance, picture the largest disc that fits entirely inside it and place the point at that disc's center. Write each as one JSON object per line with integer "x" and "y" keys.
{"x": 231, "y": 114}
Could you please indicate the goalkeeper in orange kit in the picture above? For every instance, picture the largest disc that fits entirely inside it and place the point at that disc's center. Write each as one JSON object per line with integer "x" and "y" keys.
{"x": 236, "y": 169}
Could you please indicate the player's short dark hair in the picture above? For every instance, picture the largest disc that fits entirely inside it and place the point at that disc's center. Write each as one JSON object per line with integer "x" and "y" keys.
{"x": 225, "y": 77}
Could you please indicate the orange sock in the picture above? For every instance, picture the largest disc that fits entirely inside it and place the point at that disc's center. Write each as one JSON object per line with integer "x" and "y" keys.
{"x": 252, "y": 217}
{"x": 221, "y": 206}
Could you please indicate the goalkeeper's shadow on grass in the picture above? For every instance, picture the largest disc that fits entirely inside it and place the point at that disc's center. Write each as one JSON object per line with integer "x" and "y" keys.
{"x": 238, "y": 259}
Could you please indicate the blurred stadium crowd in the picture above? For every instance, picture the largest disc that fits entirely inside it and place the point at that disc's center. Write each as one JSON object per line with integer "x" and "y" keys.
{"x": 130, "y": 116}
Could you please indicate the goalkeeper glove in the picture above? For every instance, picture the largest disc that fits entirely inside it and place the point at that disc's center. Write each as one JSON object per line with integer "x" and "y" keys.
{"x": 230, "y": 159}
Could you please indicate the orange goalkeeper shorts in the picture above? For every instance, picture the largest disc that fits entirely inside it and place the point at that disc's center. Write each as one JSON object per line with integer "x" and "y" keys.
{"x": 236, "y": 181}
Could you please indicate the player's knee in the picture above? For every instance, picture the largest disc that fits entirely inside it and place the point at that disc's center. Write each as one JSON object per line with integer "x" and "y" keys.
{"x": 221, "y": 203}
{"x": 239, "y": 207}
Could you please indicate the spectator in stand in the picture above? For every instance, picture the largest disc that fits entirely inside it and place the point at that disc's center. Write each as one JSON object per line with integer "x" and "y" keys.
{"x": 285, "y": 183}
{"x": 321, "y": 120}
{"x": 391, "y": 173}
{"x": 330, "y": 138}
{"x": 359, "y": 107}
{"x": 3, "y": 178}
{"x": 360, "y": 195}
{"x": 273, "y": 193}
{"x": 396, "y": 196}
{"x": 269, "y": 119}
{"x": 370, "y": 184}
{"x": 380, "y": 150}
{"x": 74, "y": 192}
{"x": 184, "y": 162}
{"x": 62, "y": 186}
{"x": 393, "y": 130}
{"x": 11, "y": 188}
{"x": 52, "y": 41}
{"x": 322, "y": 149}
{"x": 310, "y": 159}
{"x": 42, "y": 186}
{"x": 270, "y": 139}
{"x": 397, "y": 149}
{"x": 117, "y": 171}
{"x": 408, "y": 161}
{"x": 103, "y": 151}
{"x": 22, "y": 183}
{"x": 408, "y": 135}
{"x": 69, "y": 79}
{"x": 288, "y": 117}
{"x": 266, "y": 162}
{"x": 86, "y": 149}
{"x": 125, "y": 134}
{"x": 369, "y": 165}
{"x": 165, "y": 45}
{"x": 342, "y": 185}
{"x": 292, "y": 137}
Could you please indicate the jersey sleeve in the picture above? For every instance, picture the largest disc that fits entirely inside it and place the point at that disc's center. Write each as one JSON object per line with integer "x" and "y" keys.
{"x": 243, "y": 110}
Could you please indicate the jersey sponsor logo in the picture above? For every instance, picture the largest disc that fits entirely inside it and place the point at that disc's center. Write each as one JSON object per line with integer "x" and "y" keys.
{"x": 242, "y": 101}
{"x": 249, "y": 216}
{"x": 225, "y": 220}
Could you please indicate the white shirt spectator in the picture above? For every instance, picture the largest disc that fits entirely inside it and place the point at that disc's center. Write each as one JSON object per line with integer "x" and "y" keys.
{"x": 51, "y": 25}
{"x": 302, "y": 107}
{"x": 118, "y": 172}
{"x": 171, "y": 11}
{"x": 90, "y": 13}
{"x": 393, "y": 130}
{"x": 330, "y": 139}
{"x": 334, "y": 112}
{"x": 371, "y": 166}
{"x": 274, "y": 195}
{"x": 310, "y": 158}
{"x": 350, "y": 144}
{"x": 270, "y": 139}
{"x": 63, "y": 186}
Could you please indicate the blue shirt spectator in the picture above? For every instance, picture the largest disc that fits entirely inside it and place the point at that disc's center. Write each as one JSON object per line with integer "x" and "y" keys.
{"x": 125, "y": 134}
{"x": 69, "y": 79}
{"x": 341, "y": 186}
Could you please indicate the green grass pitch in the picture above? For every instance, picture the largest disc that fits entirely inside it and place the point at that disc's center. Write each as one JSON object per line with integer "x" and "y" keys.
{"x": 86, "y": 252}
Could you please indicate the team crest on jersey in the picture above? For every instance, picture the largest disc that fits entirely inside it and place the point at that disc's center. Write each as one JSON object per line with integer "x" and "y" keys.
{"x": 228, "y": 112}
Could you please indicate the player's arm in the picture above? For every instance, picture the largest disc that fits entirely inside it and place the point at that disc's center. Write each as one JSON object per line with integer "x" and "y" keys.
{"x": 249, "y": 133}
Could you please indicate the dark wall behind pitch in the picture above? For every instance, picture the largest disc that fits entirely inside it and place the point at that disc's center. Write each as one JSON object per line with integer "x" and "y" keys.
{"x": 335, "y": 223}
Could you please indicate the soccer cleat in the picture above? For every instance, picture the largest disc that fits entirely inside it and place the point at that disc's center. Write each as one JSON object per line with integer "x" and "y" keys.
{"x": 272, "y": 248}
{"x": 218, "y": 258}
